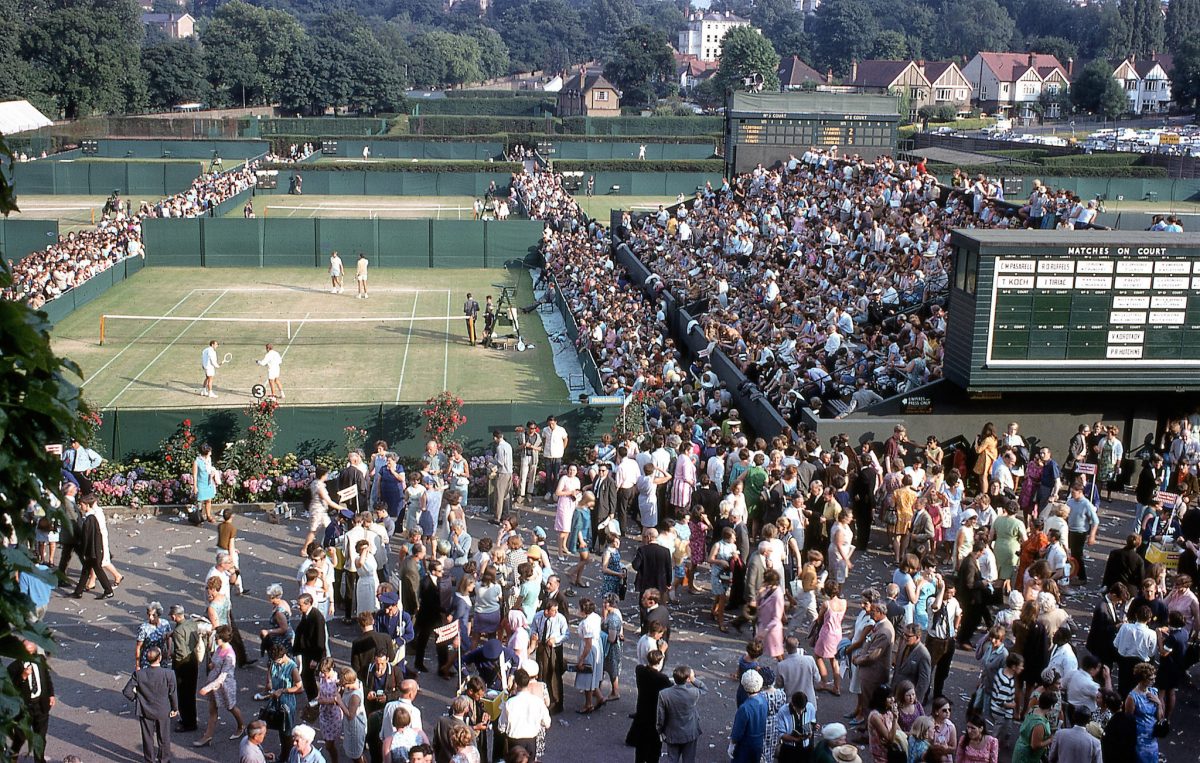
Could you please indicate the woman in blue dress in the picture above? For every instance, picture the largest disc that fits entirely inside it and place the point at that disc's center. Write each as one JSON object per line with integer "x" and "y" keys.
{"x": 204, "y": 478}
{"x": 392, "y": 485}
{"x": 283, "y": 684}
{"x": 614, "y": 571}
{"x": 1146, "y": 708}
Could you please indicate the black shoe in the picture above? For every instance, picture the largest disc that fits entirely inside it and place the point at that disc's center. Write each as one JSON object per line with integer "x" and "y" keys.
{"x": 107, "y": 595}
{"x": 422, "y": 669}
{"x": 185, "y": 729}
{"x": 75, "y": 595}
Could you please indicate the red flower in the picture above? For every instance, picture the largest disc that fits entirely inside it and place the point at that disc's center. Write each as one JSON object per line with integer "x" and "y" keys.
{"x": 187, "y": 422}
{"x": 167, "y": 459}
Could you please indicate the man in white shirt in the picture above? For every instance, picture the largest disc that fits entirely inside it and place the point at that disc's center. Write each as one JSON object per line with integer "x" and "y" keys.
{"x": 336, "y": 271}
{"x": 524, "y": 716}
{"x": 408, "y": 693}
{"x": 554, "y": 446}
{"x": 272, "y": 361}
{"x": 208, "y": 361}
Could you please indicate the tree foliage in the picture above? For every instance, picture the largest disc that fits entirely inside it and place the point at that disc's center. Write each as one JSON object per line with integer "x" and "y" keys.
{"x": 641, "y": 65}
{"x": 845, "y": 31}
{"x": 746, "y": 53}
{"x": 445, "y": 60}
{"x": 1183, "y": 21}
{"x": 245, "y": 50}
{"x": 1185, "y": 77}
{"x": 541, "y": 34}
{"x": 1096, "y": 91}
{"x": 174, "y": 73}
{"x": 1143, "y": 27}
{"x": 1059, "y": 47}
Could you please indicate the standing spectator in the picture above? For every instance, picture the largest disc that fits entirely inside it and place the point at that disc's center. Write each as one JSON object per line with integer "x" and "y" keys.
{"x": 220, "y": 685}
{"x": 529, "y": 442}
{"x": 678, "y": 719}
{"x": 1082, "y": 524}
{"x": 186, "y": 647}
{"x": 652, "y": 562}
{"x": 153, "y": 689}
{"x": 1146, "y": 708}
{"x": 1076, "y": 744}
{"x": 91, "y": 549}
{"x": 554, "y": 447}
{"x": 502, "y": 483}
{"x": 797, "y": 672}
{"x": 310, "y": 643}
{"x": 251, "y": 750}
{"x": 36, "y": 690}
{"x": 750, "y": 722}
{"x": 873, "y": 660}
{"x": 913, "y": 663}
{"x": 524, "y": 716}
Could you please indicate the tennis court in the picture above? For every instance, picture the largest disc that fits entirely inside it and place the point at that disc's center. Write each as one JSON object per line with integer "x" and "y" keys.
{"x": 403, "y": 344}
{"x": 599, "y": 207}
{"x": 388, "y": 207}
{"x": 72, "y": 212}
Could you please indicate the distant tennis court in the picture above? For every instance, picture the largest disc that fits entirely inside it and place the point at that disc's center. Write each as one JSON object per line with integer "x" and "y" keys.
{"x": 403, "y": 344}
{"x": 388, "y": 207}
{"x": 72, "y": 212}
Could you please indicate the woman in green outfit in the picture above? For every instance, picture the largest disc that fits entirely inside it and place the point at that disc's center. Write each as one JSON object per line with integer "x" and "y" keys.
{"x": 1010, "y": 534}
{"x": 1035, "y": 736}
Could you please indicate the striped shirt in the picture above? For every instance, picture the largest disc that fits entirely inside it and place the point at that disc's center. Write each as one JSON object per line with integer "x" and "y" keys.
{"x": 1004, "y": 691}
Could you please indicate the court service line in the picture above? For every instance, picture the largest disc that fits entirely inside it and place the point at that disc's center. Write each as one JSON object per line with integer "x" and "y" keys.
{"x": 279, "y": 289}
{"x": 407, "y": 344}
{"x": 295, "y": 334}
{"x": 133, "y": 341}
{"x": 446, "y": 365}
{"x": 163, "y": 351}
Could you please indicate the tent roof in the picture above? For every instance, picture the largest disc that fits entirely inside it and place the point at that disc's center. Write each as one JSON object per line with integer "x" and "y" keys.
{"x": 21, "y": 116}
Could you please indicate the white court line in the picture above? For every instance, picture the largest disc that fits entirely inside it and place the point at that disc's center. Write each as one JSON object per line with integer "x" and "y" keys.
{"x": 446, "y": 341}
{"x": 267, "y": 289}
{"x": 162, "y": 352}
{"x": 133, "y": 341}
{"x": 407, "y": 344}
{"x": 295, "y": 334}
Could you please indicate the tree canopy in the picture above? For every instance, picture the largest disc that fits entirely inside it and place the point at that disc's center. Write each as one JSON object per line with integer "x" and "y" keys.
{"x": 1096, "y": 91}
{"x": 641, "y": 65}
{"x": 745, "y": 54}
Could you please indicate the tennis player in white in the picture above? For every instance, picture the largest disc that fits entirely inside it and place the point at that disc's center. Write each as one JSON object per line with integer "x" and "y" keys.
{"x": 336, "y": 271}
{"x": 273, "y": 360}
{"x": 208, "y": 361}
{"x": 360, "y": 275}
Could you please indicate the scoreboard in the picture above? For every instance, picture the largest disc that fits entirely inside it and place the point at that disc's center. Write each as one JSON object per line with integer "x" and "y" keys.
{"x": 1074, "y": 310}
{"x": 767, "y": 127}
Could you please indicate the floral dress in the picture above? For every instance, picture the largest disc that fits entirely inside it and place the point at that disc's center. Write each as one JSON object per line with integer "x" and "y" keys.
{"x": 717, "y": 576}
{"x": 698, "y": 544}
{"x": 612, "y": 649}
{"x": 221, "y": 679}
{"x": 611, "y": 583}
{"x": 154, "y": 636}
{"x": 329, "y": 717}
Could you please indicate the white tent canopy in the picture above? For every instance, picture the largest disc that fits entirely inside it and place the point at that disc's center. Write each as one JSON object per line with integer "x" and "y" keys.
{"x": 20, "y": 116}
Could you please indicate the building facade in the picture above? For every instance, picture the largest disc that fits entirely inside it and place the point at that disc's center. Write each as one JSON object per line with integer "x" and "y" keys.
{"x": 704, "y": 33}
{"x": 1018, "y": 84}
{"x": 588, "y": 94}
{"x": 1147, "y": 83}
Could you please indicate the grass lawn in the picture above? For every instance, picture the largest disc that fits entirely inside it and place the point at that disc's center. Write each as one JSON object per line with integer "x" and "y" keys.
{"x": 601, "y": 206}
{"x": 392, "y": 207}
{"x": 72, "y": 212}
{"x": 373, "y": 353}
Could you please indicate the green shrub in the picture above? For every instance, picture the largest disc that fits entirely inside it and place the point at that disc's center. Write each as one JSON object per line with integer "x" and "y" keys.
{"x": 475, "y": 125}
{"x": 635, "y": 165}
{"x": 314, "y": 126}
{"x": 528, "y": 106}
{"x": 1010, "y": 170}
{"x": 491, "y": 93}
{"x": 1092, "y": 160}
{"x": 1020, "y": 154}
{"x": 693, "y": 125}
{"x": 402, "y": 165}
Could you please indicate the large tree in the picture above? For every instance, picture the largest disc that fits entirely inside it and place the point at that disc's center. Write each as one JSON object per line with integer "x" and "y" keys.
{"x": 746, "y": 54}
{"x": 444, "y": 59}
{"x": 1185, "y": 77}
{"x": 541, "y": 34}
{"x": 245, "y": 48}
{"x": 783, "y": 25}
{"x": 1096, "y": 91}
{"x": 1183, "y": 21}
{"x": 1143, "y": 27}
{"x": 969, "y": 26}
{"x": 88, "y": 55}
{"x": 604, "y": 21}
{"x": 174, "y": 73}
{"x": 1059, "y": 47}
{"x": 355, "y": 70}
{"x": 845, "y": 30}
{"x": 641, "y": 65}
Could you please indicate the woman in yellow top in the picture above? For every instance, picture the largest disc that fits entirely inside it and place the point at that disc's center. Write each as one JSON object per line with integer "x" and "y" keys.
{"x": 985, "y": 449}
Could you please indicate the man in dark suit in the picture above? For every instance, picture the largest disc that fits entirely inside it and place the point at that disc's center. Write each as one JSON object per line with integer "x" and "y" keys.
{"x": 605, "y": 490}
{"x": 653, "y": 563}
{"x": 643, "y": 732}
{"x": 1150, "y": 478}
{"x": 91, "y": 549}
{"x": 1106, "y": 621}
{"x": 309, "y": 643}
{"x": 71, "y": 528}
{"x": 972, "y": 593}
{"x": 36, "y": 688}
{"x": 429, "y": 613}
{"x": 678, "y": 722}
{"x": 653, "y": 610}
{"x": 152, "y": 688}
{"x": 913, "y": 662}
{"x": 410, "y": 578}
{"x": 1125, "y": 565}
{"x": 369, "y": 644}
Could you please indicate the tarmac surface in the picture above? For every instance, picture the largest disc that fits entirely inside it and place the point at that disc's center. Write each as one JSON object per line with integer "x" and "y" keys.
{"x": 164, "y": 560}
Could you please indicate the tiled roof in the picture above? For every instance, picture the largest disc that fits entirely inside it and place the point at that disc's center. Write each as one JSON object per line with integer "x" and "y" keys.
{"x": 1010, "y": 66}
{"x": 794, "y": 72}
{"x": 878, "y": 73}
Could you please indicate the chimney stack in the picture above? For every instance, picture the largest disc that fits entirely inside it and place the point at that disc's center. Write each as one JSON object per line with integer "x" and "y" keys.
{"x": 582, "y": 77}
{"x": 829, "y": 76}
{"x": 1032, "y": 57}
{"x": 1070, "y": 67}
{"x": 853, "y": 69}
{"x": 1154, "y": 55}
{"x": 921, "y": 64}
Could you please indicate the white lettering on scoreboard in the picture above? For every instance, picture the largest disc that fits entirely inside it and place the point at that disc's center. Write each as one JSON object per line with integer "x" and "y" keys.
{"x": 1126, "y": 337}
{"x": 1130, "y": 352}
{"x": 1055, "y": 282}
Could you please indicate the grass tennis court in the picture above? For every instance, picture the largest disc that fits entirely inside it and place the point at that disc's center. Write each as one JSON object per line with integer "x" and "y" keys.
{"x": 390, "y": 207}
{"x": 599, "y": 206}
{"x": 72, "y": 212}
{"x": 357, "y": 358}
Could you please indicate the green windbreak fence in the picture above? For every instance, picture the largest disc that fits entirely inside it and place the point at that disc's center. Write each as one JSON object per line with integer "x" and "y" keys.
{"x": 319, "y": 182}
{"x": 417, "y": 149}
{"x": 288, "y": 242}
{"x": 60, "y": 308}
{"x": 1113, "y": 189}
{"x": 20, "y": 237}
{"x": 311, "y": 430}
{"x": 153, "y": 148}
{"x": 314, "y": 126}
{"x": 567, "y": 149}
{"x": 87, "y": 178}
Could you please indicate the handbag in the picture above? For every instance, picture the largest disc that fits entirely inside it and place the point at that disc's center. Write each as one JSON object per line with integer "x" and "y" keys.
{"x": 891, "y": 517}
{"x": 622, "y": 589}
{"x": 1162, "y": 728}
{"x": 273, "y": 715}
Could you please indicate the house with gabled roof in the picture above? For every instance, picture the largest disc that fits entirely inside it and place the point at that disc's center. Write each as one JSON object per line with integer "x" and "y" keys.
{"x": 1012, "y": 83}
{"x": 588, "y": 94}
{"x": 1147, "y": 82}
{"x": 794, "y": 74}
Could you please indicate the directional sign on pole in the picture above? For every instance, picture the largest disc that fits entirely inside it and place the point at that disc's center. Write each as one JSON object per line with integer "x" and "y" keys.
{"x": 446, "y": 632}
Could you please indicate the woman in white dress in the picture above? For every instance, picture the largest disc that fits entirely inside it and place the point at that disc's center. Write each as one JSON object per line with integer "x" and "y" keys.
{"x": 368, "y": 578}
{"x": 567, "y": 494}
{"x": 106, "y": 560}
{"x": 589, "y": 668}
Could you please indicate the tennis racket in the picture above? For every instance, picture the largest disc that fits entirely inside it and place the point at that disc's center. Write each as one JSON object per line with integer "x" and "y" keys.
{"x": 228, "y": 357}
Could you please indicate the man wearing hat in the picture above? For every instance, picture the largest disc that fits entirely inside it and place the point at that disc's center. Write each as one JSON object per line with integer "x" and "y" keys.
{"x": 748, "y": 738}
{"x": 833, "y": 736}
{"x": 302, "y": 745}
{"x": 846, "y": 753}
{"x": 396, "y": 624}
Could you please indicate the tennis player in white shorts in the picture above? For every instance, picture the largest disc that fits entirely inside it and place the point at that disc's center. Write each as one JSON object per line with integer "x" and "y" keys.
{"x": 208, "y": 361}
{"x": 273, "y": 361}
{"x": 360, "y": 275}
{"x": 336, "y": 271}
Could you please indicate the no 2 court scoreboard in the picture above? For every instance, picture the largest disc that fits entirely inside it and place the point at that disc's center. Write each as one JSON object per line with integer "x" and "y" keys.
{"x": 767, "y": 127}
{"x": 1074, "y": 310}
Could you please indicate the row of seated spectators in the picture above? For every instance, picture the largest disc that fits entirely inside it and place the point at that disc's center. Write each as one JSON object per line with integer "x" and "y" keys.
{"x": 824, "y": 279}
{"x": 623, "y": 328}
{"x": 79, "y": 255}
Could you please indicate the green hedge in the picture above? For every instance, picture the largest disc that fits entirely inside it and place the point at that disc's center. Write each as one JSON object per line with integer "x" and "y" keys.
{"x": 623, "y": 126}
{"x": 1001, "y": 169}
{"x": 452, "y": 94}
{"x": 312, "y": 126}
{"x": 527, "y": 106}
{"x": 475, "y": 125}
{"x": 400, "y": 165}
{"x": 280, "y": 143}
{"x": 1092, "y": 160}
{"x": 634, "y": 165}
{"x": 1020, "y": 154}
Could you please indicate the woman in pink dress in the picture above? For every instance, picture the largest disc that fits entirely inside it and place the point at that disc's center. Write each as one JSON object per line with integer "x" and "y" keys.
{"x": 567, "y": 494}
{"x": 685, "y": 482}
{"x": 828, "y": 638}
{"x": 770, "y": 615}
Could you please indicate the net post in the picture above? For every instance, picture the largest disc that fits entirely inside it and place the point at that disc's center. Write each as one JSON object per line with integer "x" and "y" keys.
{"x": 289, "y": 330}
{"x": 101, "y": 325}
{"x": 93, "y": 211}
